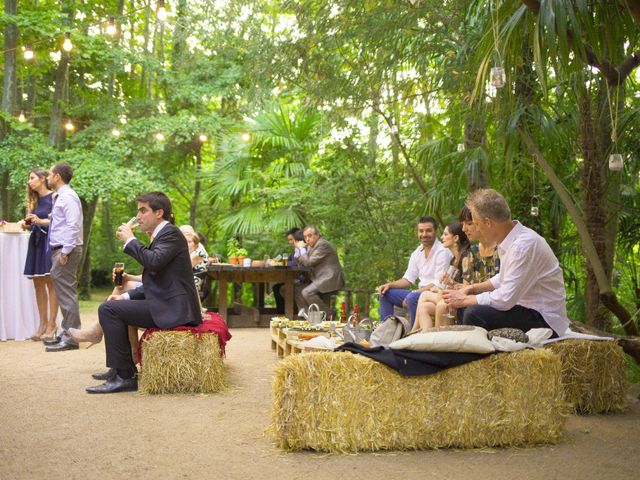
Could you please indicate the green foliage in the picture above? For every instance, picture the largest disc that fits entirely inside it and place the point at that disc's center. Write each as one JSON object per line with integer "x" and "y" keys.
{"x": 342, "y": 114}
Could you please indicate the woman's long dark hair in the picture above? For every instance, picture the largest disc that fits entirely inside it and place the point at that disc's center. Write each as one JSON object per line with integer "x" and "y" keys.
{"x": 455, "y": 228}
{"x": 32, "y": 195}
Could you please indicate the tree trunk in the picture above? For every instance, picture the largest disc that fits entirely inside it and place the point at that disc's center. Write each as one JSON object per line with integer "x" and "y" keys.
{"x": 374, "y": 129}
{"x": 604, "y": 286}
{"x": 193, "y": 208}
{"x": 8, "y": 96}
{"x": 594, "y": 187}
{"x": 56, "y": 130}
{"x": 475, "y": 136}
{"x": 116, "y": 42}
{"x": 10, "y": 46}
{"x": 84, "y": 276}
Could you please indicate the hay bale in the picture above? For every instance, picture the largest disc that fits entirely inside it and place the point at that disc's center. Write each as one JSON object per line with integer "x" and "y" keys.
{"x": 341, "y": 402}
{"x": 181, "y": 362}
{"x": 593, "y": 375}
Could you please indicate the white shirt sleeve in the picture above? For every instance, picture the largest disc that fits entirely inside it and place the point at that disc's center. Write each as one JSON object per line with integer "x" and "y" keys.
{"x": 442, "y": 262}
{"x": 412, "y": 272}
{"x": 518, "y": 276}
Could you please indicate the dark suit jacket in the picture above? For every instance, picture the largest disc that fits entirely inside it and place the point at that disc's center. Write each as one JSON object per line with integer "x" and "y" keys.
{"x": 326, "y": 272}
{"x": 167, "y": 279}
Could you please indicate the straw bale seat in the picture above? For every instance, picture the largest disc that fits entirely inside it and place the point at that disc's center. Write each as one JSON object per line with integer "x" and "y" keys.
{"x": 593, "y": 375}
{"x": 181, "y": 362}
{"x": 341, "y": 402}
{"x": 184, "y": 359}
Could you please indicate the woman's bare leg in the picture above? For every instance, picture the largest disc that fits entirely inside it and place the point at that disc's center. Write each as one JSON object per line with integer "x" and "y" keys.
{"x": 441, "y": 314}
{"x": 41, "y": 300}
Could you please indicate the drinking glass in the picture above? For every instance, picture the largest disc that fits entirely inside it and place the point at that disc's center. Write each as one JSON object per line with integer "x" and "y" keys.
{"x": 133, "y": 223}
{"x": 118, "y": 269}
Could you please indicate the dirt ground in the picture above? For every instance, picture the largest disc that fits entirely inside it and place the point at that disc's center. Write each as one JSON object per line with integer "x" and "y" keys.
{"x": 50, "y": 428}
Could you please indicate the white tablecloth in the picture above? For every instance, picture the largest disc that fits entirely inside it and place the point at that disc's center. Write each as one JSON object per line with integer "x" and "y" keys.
{"x": 19, "y": 318}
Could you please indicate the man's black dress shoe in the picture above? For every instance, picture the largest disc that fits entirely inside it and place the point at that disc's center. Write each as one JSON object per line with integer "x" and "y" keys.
{"x": 61, "y": 346}
{"x": 108, "y": 375}
{"x": 115, "y": 385}
{"x": 53, "y": 341}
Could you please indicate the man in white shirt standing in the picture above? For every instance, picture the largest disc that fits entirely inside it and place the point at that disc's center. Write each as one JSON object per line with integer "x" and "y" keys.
{"x": 529, "y": 290}
{"x": 65, "y": 243}
{"x": 427, "y": 263}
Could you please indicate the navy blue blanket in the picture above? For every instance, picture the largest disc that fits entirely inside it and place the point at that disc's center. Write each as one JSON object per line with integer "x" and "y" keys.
{"x": 411, "y": 363}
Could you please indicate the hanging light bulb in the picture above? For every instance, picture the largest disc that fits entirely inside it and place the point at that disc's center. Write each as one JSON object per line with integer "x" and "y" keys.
{"x": 28, "y": 53}
{"x": 22, "y": 117}
{"x": 69, "y": 127}
{"x": 115, "y": 132}
{"x": 461, "y": 147}
{"x": 203, "y": 137}
{"x": 111, "y": 26}
{"x": 67, "y": 45}
{"x": 160, "y": 137}
{"x": 246, "y": 137}
{"x": 498, "y": 77}
{"x": 161, "y": 13}
{"x": 616, "y": 163}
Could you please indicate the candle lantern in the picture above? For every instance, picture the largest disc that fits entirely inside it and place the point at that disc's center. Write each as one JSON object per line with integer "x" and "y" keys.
{"x": 498, "y": 77}
{"x": 616, "y": 163}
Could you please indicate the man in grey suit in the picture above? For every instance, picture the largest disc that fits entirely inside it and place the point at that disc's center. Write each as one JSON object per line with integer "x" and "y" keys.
{"x": 325, "y": 274}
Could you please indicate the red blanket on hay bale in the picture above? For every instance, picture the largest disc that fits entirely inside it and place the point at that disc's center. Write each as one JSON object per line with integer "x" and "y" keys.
{"x": 212, "y": 323}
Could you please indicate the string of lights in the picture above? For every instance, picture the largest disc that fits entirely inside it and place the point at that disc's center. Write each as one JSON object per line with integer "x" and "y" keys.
{"x": 111, "y": 29}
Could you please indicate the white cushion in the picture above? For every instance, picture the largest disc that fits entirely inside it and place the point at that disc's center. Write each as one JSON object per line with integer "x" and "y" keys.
{"x": 455, "y": 338}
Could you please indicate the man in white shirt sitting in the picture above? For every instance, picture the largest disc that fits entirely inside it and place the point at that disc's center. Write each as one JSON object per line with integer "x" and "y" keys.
{"x": 529, "y": 290}
{"x": 427, "y": 263}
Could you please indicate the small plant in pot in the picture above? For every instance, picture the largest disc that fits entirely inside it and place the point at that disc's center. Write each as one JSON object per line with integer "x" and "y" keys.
{"x": 232, "y": 250}
{"x": 242, "y": 254}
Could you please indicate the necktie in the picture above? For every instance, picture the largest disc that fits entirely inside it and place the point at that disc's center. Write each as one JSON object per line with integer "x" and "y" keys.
{"x": 54, "y": 197}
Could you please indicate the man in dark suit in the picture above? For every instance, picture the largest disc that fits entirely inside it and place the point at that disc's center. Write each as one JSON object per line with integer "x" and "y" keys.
{"x": 325, "y": 273}
{"x": 166, "y": 299}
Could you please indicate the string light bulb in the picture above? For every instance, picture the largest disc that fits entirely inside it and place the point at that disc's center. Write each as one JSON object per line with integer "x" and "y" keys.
{"x": 160, "y": 136}
{"x": 22, "y": 117}
{"x": 161, "y": 13}
{"x": 111, "y": 26}
{"x": 115, "y": 132}
{"x": 69, "y": 127}
{"x": 246, "y": 137}
{"x": 203, "y": 137}
{"x": 67, "y": 45}
{"x": 28, "y": 53}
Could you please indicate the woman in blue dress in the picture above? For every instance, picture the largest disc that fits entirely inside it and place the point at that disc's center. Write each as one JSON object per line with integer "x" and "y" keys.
{"x": 38, "y": 263}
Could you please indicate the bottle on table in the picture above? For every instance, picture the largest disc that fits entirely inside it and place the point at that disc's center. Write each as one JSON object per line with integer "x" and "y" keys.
{"x": 343, "y": 313}
{"x": 356, "y": 315}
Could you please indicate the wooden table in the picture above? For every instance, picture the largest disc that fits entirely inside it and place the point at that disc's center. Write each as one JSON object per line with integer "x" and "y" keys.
{"x": 257, "y": 315}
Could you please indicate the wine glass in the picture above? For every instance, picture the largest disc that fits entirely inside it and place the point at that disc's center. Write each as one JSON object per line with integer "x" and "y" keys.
{"x": 452, "y": 271}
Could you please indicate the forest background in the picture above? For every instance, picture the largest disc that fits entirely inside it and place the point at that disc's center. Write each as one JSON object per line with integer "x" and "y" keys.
{"x": 356, "y": 115}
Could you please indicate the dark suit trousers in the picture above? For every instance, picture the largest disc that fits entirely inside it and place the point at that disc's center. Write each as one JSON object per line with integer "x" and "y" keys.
{"x": 115, "y": 316}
